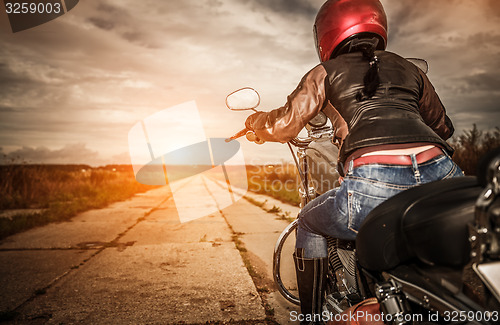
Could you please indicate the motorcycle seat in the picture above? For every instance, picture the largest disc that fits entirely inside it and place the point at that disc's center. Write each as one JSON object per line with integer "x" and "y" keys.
{"x": 427, "y": 223}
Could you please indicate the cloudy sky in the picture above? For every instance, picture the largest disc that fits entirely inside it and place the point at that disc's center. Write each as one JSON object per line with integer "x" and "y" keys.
{"x": 71, "y": 89}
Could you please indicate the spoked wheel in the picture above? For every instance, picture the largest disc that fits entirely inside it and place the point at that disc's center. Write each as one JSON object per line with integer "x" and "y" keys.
{"x": 338, "y": 259}
{"x": 277, "y": 262}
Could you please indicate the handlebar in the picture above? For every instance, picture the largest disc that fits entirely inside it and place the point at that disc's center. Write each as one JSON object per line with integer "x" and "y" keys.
{"x": 296, "y": 142}
{"x": 238, "y": 134}
{"x": 251, "y": 136}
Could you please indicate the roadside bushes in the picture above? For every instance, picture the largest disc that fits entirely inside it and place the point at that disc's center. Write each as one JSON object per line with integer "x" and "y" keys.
{"x": 472, "y": 145}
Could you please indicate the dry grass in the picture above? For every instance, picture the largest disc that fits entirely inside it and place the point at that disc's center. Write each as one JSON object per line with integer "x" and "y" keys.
{"x": 60, "y": 191}
{"x": 280, "y": 181}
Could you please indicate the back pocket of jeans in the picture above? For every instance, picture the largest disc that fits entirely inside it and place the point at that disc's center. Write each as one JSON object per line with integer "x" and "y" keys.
{"x": 359, "y": 206}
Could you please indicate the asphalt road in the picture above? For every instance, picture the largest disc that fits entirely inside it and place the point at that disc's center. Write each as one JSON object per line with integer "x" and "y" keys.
{"x": 134, "y": 262}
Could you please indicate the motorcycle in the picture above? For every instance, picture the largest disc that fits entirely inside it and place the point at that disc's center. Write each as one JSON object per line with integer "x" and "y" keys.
{"x": 430, "y": 254}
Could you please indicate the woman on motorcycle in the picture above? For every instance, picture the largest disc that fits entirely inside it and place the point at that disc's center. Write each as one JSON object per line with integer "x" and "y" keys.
{"x": 388, "y": 118}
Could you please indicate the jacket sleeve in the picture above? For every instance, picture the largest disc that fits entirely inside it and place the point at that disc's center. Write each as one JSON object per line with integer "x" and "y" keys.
{"x": 305, "y": 102}
{"x": 433, "y": 111}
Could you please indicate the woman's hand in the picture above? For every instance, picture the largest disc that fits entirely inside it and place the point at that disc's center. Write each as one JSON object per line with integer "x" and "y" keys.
{"x": 251, "y": 136}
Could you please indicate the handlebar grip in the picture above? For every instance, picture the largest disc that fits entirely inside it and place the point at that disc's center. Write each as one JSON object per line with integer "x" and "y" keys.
{"x": 238, "y": 135}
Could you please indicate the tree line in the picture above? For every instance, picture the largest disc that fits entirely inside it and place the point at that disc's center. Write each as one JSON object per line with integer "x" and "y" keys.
{"x": 472, "y": 145}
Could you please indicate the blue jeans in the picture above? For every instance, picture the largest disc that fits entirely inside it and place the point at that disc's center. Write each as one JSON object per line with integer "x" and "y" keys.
{"x": 339, "y": 212}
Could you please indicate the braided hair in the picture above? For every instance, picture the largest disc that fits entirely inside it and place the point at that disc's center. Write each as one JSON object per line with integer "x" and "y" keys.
{"x": 371, "y": 79}
{"x": 366, "y": 43}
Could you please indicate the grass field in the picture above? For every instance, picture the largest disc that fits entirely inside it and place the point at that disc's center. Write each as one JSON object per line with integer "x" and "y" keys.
{"x": 59, "y": 192}
{"x": 41, "y": 194}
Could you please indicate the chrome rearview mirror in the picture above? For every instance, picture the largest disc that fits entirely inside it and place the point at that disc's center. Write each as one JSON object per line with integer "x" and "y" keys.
{"x": 243, "y": 99}
{"x": 421, "y": 63}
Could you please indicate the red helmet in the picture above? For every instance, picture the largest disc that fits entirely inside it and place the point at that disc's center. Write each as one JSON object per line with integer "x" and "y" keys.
{"x": 338, "y": 20}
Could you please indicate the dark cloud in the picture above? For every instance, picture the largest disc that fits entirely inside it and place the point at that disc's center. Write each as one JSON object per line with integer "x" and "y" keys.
{"x": 300, "y": 7}
{"x": 495, "y": 7}
{"x": 485, "y": 81}
{"x": 404, "y": 18}
{"x": 483, "y": 39}
{"x": 101, "y": 23}
{"x": 125, "y": 22}
{"x": 465, "y": 111}
{"x": 473, "y": 74}
{"x": 112, "y": 10}
{"x": 9, "y": 79}
{"x": 71, "y": 153}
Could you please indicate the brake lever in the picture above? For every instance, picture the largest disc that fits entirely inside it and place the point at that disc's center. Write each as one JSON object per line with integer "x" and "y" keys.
{"x": 239, "y": 134}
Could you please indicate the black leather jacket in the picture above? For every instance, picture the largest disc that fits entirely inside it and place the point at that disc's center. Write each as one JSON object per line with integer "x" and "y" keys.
{"x": 405, "y": 109}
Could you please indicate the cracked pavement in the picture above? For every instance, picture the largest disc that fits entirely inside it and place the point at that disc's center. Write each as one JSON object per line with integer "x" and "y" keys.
{"x": 134, "y": 262}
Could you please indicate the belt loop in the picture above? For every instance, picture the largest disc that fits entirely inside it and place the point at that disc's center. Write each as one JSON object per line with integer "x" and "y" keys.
{"x": 414, "y": 164}
{"x": 351, "y": 167}
{"x": 445, "y": 153}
